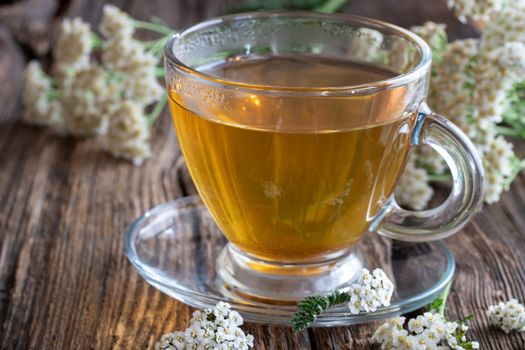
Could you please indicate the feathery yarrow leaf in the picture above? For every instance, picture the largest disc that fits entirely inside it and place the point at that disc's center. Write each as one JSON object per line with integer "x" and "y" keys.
{"x": 367, "y": 294}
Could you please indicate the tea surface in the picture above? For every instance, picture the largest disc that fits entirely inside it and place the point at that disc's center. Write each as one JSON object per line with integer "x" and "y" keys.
{"x": 296, "y": 71}
{"x": 292, "y": 195}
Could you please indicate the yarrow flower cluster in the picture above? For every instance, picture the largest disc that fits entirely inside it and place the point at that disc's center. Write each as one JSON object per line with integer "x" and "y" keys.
{"x": 509, "y": 316}
{"x": 471, "y": 82}
{"x": 108, "y": 97}
{"x": 368, "y": 293}
{"x": 74, "y": 45}
{"x": 37, "y": 96}
{"x": 217, "y": 328}
{"x": 427, "y": 331}
{"x": 413, "y": 189}
{"x": 434, "y": 34}
{"x": 478, "y": 10}
{"x": 368, "y": 45}
{"x": 506, "y": 26}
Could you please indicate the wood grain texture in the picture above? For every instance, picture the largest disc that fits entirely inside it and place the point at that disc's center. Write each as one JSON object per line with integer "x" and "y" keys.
{"x": 12, "y": 63}
{"x": 65, "y": 282}
{"x": 29, "y": 21}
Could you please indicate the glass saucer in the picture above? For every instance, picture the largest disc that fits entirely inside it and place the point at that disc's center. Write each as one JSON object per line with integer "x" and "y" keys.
{"x": 175, "y": 246}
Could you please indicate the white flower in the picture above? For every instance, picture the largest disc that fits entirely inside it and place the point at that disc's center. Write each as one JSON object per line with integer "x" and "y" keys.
{"x": 511, "y": 60}
{"x": 435, "y": 36}
{"x": 216, "y": 328}
{"x": 171, "y": 341}
{"x": 199, "y": 315}
{"x": 235, "y": 318}
{"x": 144, "y": 90}
{"x": 88, "y": 93}
{"x": 85, "y": 98}
{"x": 137, "y": 67}
{"x": 193, "y": 334}
{"x": 41, "y": 108}
{"x": 128, "y": 133}
{"x": 478, "y": 10}
{"x": 127, "y": 55}
{"x": 415, "y": 325}
{"x": 367, "y": 44}
{"x": 354, "y": 305}
{"x": 508, "y": 316}
{"x": 498, "y": 166}
{"x": 507, "y": 26}
{"x": 400, "y": 338}
{"x": 496, "y": 72}
{"x": 73, "y": 46}
{"x": 370, "y": 291}
{"x": 413, "y": 189}
{"x": 449, "y": 92}
{"x": 115, "y": 23}
{"x": 453, "y": 326}
{"x": 427, "y": 331}
{"x": 430, "y": 31}
{"x": 470, "y": 86}
{"x": 221, "y": 310}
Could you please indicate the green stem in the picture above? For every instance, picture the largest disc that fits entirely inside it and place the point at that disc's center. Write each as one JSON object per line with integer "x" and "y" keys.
{"x": 160, "y": 41}
{"x": 330, "y": 6}
{"x": 53, "y": 93}
{"x": 439, "y": 177}
{"x": 152, "y": 26}
{"x": 506, "y": 131}
{"x": 438, "y": 305}
{"x": 96, "y": 41}
{"x": 159, "y": 107}
{"x": 149, "y": 44}
{"x": 158, "y": 20}
{"x": 444, "y": 297}
{"x": 159, "y": 72}
{"x": 518, "y": 167}
{"x": 158, "y": 47}
{"x": 54, "y": 81}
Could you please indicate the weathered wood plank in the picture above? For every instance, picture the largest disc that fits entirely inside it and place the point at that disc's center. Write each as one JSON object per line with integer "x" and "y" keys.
{"x": 64, "y": 280}
{"x": 31, "y": 22}
{"x": 11, "y": 70}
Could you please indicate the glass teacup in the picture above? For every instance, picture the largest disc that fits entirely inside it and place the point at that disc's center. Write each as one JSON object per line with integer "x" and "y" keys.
{"x": 295, "y": 128}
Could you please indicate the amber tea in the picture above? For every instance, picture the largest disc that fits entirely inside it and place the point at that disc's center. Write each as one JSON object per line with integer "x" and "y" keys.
{"x": 281, "y": 184}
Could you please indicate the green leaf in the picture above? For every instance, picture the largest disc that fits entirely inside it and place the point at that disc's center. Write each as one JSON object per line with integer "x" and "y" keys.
{"x": 438, "y": 305}
{"x": 331, "y": 6}
{"x": 516, "y": 167}
{"x": 514, "y": 115}
{"x": 159, "y": 107}
{"x": 268, "y": 5}
{"x": 467, "y": 319}
{"x": 310, "y": 307}
{"x": 439, "y": 47}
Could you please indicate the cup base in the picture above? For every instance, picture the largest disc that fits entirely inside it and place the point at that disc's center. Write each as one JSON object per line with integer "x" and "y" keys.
{"x": 243, "y": 277}
{"x": 176, "y": 247}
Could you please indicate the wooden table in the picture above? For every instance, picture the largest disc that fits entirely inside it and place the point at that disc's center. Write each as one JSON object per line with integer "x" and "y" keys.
{"x": 65, "y": 282}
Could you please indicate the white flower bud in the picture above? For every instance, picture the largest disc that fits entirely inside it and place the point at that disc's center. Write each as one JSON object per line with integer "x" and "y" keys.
{"x": 115, "y": 23}
{"x": 41, "y": 108}
{"x": 218, "y": 330}
{"x": 509, "y": 316}
{"x": 73, "y": 47}
{"x": 412, "y": 189}
{"x": 128, "y": 133}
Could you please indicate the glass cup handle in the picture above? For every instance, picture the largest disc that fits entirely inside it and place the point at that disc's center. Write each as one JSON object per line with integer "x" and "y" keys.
{"x": 467, "y": 190}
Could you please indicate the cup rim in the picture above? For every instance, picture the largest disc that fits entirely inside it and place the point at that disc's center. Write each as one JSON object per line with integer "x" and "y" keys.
{"x": 420, "y": 69}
